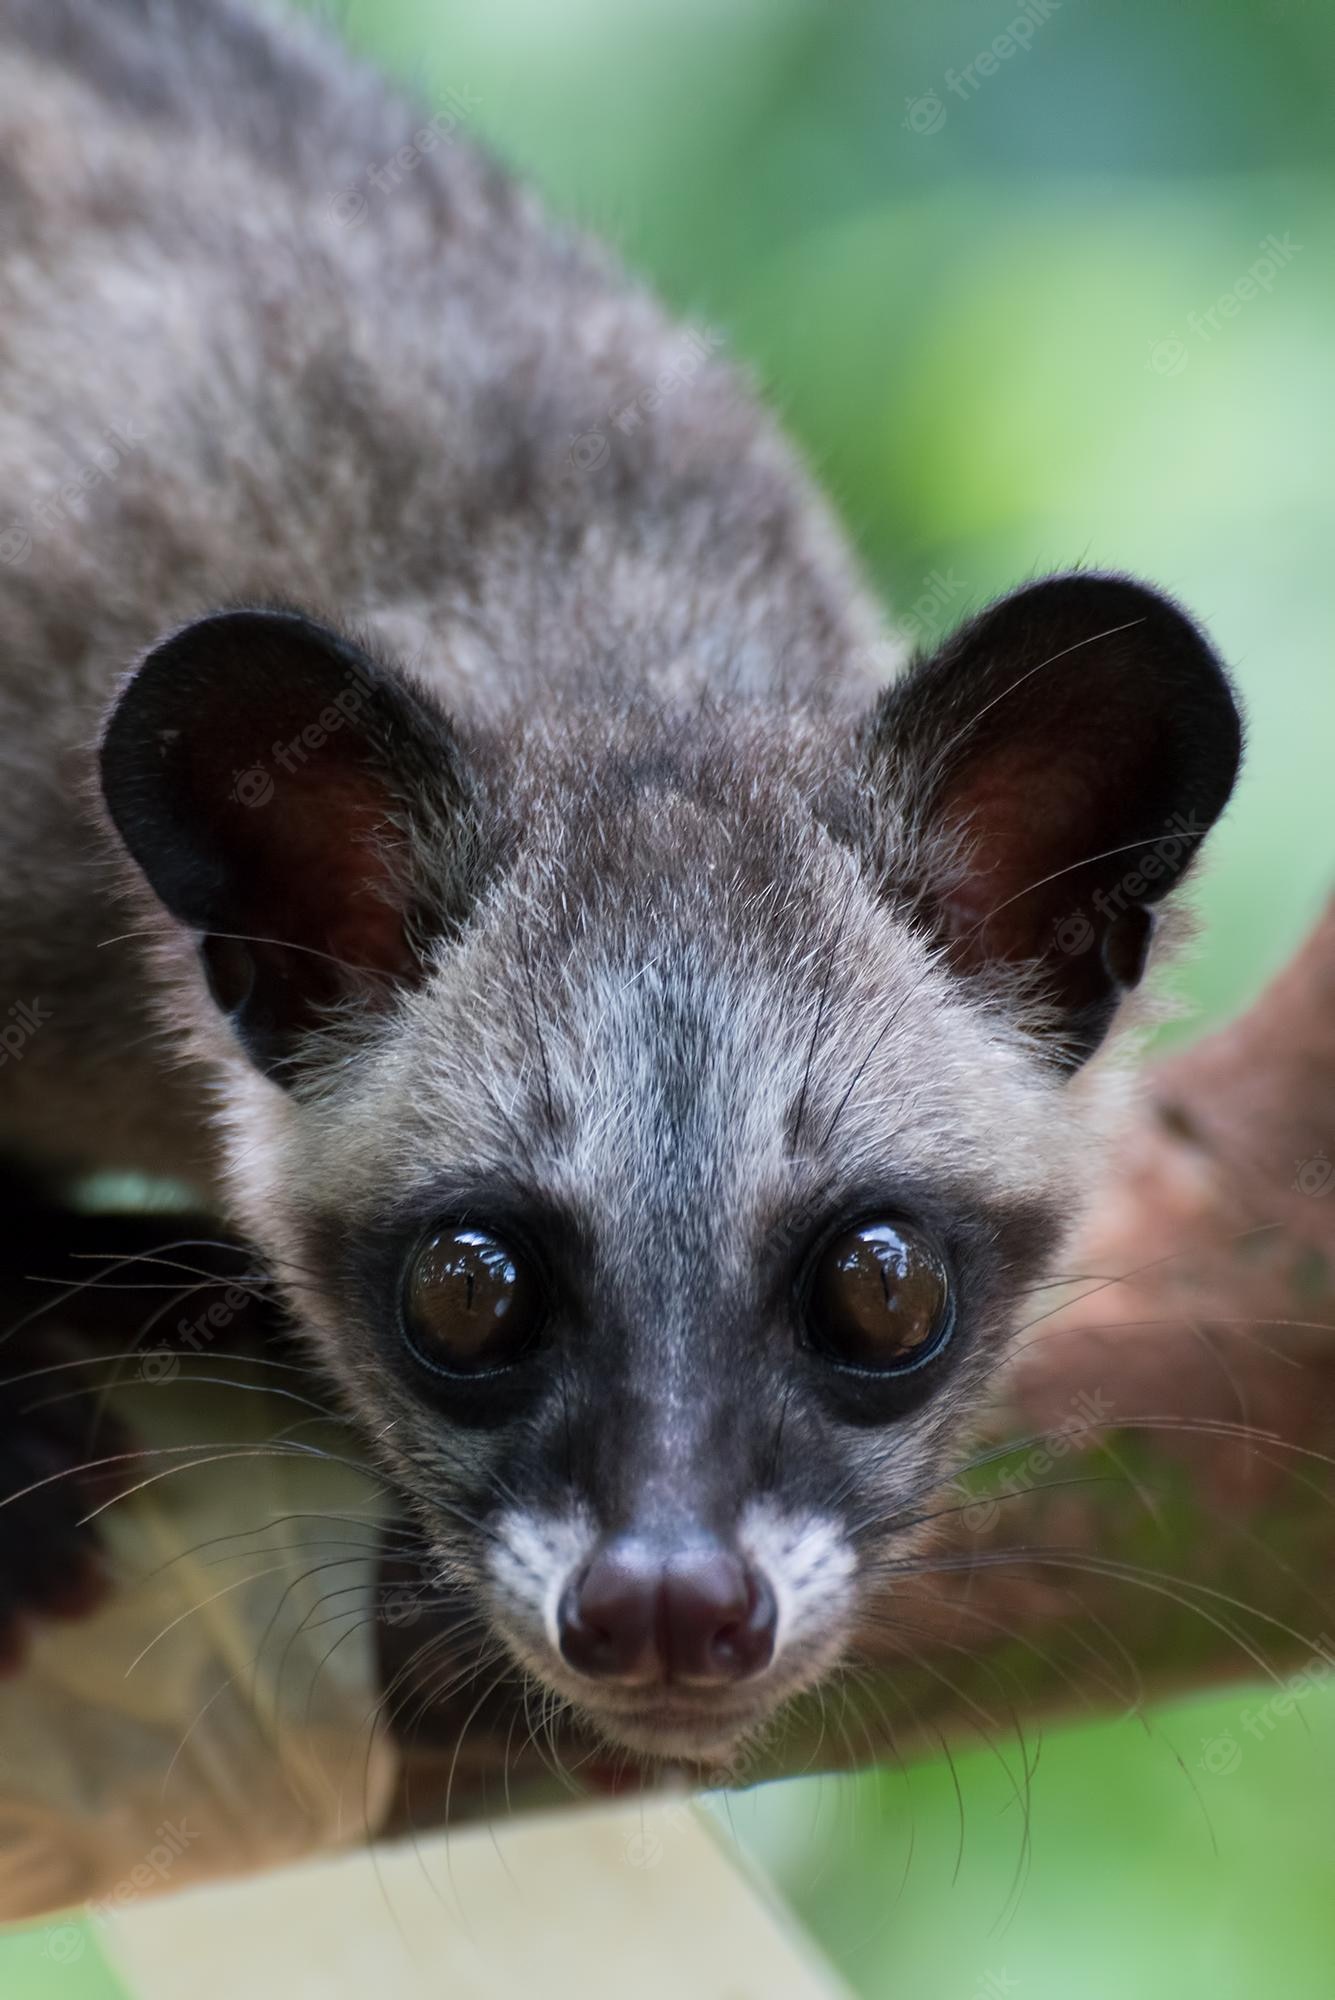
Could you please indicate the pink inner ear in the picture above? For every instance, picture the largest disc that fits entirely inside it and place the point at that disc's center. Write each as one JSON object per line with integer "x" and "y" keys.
{"x": 326, "y": 870}
{"x": 373, "y": 941}
{"x": 1030, "y": 824}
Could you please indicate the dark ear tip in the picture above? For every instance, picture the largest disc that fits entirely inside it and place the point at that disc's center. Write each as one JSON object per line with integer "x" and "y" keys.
{"x": 143, "y": 724}
{"x": 1109, "y": 600}
{"x": 189, "y": 733}
{"x": 137, "y": 704}
{"x": 1088, "y": 602}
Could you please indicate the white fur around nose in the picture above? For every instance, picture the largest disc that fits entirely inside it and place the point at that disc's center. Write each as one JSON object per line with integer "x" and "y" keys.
{"x": 805, "y": 1558}
{"x": 532, "y": 1559}
{"x": 809, "y": 1566}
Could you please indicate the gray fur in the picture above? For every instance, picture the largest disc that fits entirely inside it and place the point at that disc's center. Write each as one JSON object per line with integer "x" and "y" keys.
{"x": 683, "y": 1011}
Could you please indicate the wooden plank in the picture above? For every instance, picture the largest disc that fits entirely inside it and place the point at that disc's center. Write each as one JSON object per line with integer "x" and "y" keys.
{"x": 629, "y": 1899}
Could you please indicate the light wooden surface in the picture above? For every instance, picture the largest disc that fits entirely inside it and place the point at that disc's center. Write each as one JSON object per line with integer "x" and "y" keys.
{"x": 628, "y": 1900}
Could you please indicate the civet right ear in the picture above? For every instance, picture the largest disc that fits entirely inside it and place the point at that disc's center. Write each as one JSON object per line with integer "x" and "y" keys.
{"x": 1059, "y": 762}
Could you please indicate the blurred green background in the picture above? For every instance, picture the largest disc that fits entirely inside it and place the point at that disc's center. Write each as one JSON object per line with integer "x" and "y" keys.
{"x": 999, "y": 304}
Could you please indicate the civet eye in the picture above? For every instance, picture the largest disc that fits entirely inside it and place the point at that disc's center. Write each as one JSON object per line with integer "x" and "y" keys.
{"x": 472, "y": 1302}
{"x": 878, "y": 1298}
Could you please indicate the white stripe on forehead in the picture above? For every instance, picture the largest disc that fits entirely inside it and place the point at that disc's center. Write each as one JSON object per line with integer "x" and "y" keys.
{"x": 675, "y": 1055}
{"x": 698, "y": 1059}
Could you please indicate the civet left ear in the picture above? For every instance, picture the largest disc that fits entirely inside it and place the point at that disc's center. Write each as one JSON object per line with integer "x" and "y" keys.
{"x": 1058, "y": 763}
{"x": 274, "y": 784}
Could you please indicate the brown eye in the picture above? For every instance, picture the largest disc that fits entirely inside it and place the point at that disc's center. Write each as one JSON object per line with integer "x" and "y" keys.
{"x": 472, "y": 1302}
{"x": 879, "y": 1299}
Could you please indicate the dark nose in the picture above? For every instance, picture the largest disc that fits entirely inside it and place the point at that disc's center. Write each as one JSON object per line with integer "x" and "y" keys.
{"x": 641, "y": 1615}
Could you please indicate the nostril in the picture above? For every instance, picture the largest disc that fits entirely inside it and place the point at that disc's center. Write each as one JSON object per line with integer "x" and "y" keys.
{"x": 607, "y": 1617}
{"x": 747, "y": 1644}
{"x": 720, "y": 1618}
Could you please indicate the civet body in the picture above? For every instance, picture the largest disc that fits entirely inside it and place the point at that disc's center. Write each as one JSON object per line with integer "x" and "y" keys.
{"x": 452, "y": 817}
